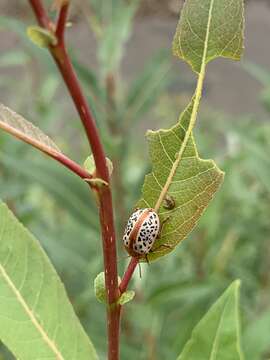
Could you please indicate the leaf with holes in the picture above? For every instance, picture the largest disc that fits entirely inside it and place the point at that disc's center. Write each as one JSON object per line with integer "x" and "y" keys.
{"x": 37, "y": 319}
{"x": 217, "y": 335}
{"x": 178, "y": 172}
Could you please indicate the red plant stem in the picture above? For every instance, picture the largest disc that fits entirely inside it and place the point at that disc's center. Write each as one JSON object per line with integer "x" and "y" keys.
{"x": 65, "y": 67}
{"x": 72, "y": 165}
{"x": 61, "y": 23}
{"x": 128, "y": 275}
{"x": 40, "y": 13}
{"x": 63, "y": 62}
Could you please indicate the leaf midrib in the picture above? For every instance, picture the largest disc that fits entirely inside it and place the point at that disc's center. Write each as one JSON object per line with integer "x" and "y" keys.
{"x": 215, "y": 342}
{"x": 30, "y": 314}
{"x": 195, "y": 108}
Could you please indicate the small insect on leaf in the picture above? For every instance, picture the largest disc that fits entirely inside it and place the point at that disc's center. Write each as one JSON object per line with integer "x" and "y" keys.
{"x": 41, "y": 37}
{"x": 168, "y": 202}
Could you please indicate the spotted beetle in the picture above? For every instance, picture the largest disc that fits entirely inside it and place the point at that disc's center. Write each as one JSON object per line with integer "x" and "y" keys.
{"x": 142, "y": 229}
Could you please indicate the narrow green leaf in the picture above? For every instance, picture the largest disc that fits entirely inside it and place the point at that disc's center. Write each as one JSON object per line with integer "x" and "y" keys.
{"x": 126, "y": 297}
{"x": 209, "y": 29}
{"x": 41, "y": 37}
{"x": 114, "y": 37}
{"x": 178, "y": 171}
{"x": 22, "y": 129}
{"x": 34, "y": 307}
{"x": 217, "y": 335}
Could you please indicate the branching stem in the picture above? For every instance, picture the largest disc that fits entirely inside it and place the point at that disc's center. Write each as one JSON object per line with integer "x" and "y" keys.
{"x": 128, "y": 275}
{"x": 65, "y": 67}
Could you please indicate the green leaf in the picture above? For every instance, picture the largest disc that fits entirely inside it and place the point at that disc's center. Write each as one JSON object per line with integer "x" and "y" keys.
{"x": 100, "y": 289}
{"x": 41, "y": 37}
{"x": 178, "y": 171}
{"x": 114, "y": 37}
{"x": 34, "y": 306}
{"x": 209, "y": 29}
{"x": 126, "y": 297}
{"x": 22, "y": 129}
{"x": 192, "y": 186}
{"x": 256, "y": 337}
{"x": 217, "y": 335}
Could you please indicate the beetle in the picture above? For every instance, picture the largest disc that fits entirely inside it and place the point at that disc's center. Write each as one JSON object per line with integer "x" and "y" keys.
{"x": 142, "y": 229}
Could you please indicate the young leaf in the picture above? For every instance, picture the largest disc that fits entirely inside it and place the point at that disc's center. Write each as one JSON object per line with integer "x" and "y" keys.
{"x": 217, "y": 335}
{"x": 177, "y": 169}
{"x": 41, "y": 37}
{"x": 126, "y": 297}
{"x": 99, "y": 287}
{"x": 37, "y": 319}
{"x": 90, "y": 166}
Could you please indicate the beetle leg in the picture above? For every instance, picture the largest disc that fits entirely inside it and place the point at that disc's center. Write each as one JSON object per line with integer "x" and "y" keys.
{"x": 167, "y": 246}
{"x": 146, "y": 258}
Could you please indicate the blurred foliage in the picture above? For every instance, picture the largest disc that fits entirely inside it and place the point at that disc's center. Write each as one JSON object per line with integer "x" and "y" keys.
{"x": 231, "y": 241}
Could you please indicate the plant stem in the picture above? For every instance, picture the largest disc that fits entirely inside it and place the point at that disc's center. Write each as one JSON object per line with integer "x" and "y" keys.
{"x": 61, "y": 23}
{"x": 128, "y": 275}
{"x": 72, "y": 165}
{"x": 65, "y": 67}
{"x": 40, "y": 13}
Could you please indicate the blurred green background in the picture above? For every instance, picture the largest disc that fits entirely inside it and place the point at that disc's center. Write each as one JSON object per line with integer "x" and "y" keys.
{"x": 121, "y": 50}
